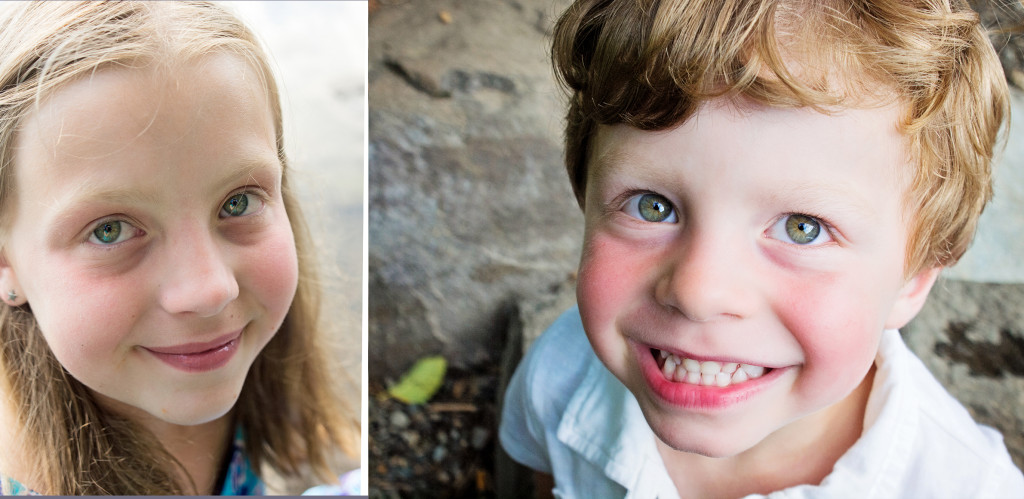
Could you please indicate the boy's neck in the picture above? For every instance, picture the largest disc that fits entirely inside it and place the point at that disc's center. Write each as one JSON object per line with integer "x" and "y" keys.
{"x": 802, "y": 453}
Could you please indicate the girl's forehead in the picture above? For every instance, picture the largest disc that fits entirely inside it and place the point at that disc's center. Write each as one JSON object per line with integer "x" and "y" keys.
{"x": 117, "y": 106}
{"x": 141, "y": 130}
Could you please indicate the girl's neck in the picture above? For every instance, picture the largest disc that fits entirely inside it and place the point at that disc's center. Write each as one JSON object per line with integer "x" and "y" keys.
{"x": 799, "y": 459}
{"x": 199, "y": 448}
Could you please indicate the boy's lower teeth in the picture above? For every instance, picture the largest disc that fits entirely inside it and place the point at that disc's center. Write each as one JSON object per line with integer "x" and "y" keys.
{"x": 707, "y": 373}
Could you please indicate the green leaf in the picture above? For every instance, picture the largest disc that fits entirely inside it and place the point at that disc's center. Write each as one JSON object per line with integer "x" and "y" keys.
{"x": 421, "y": 381}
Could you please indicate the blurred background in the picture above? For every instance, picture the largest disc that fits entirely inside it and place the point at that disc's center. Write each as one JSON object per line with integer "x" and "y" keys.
{"x": 318, "y": 51}
{"x": 475, "y": 235}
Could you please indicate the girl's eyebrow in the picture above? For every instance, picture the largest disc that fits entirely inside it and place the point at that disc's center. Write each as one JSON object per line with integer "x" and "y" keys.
{"x": 90, "y": 191}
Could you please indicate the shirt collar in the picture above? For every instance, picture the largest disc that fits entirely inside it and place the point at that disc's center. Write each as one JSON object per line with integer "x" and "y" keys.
{"x": 603, "y": 424}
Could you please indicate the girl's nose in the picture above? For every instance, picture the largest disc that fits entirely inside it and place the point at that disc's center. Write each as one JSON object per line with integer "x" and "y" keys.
{"x": 199, "y": 278}
{"x": 707, "y": 279}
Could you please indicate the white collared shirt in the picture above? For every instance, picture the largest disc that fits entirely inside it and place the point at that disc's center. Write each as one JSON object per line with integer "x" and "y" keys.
{"x": 565, "y": 414}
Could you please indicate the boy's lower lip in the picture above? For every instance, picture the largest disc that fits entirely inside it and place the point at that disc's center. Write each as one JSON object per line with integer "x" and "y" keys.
{"x": 200, "y": 359}
{"x": 698, "y": 398}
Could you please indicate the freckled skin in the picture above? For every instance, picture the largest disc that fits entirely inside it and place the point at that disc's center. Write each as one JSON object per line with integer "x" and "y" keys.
{"x": 173, "y": 143}
{"x": 719, "y": 283}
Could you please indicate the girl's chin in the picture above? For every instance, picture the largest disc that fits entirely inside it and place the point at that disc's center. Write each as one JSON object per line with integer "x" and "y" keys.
{"x": 193, "y": 418}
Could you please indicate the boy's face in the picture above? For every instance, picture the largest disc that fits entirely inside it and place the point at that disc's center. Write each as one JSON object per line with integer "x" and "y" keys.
{"x": 768, "y": 237}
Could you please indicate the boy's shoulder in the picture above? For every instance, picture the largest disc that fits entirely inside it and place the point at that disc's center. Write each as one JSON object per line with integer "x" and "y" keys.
{"x": 556, "y": 364}
{"x": 565, "y": 414}
{"x": 923, "y": 439}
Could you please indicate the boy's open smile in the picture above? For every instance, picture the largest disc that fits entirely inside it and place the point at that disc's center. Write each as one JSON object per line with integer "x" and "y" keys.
{"x": 687, "y": 369}
{"x": 702, "y": 386}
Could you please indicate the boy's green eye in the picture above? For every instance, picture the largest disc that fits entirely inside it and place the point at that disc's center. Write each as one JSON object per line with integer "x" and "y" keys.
{"x": 802, "y": 229}
{"x": 108, "y": 232}
{"x": 651, "y": 207}
{"x": 236, "y": 205}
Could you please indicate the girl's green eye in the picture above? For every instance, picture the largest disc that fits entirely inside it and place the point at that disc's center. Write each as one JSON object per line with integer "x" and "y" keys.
{"x": 236, "y": 205}
{"x": 802, "y": 229}
{"x": 108, "y": 232}
{"x": 651, "y": 207}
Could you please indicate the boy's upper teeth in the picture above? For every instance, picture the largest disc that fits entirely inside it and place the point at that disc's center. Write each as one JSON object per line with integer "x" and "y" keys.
{"x": 708, "y": 372}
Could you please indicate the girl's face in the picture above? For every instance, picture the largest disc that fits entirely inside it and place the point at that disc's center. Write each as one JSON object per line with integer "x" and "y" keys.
{"x": 149, "y": 235}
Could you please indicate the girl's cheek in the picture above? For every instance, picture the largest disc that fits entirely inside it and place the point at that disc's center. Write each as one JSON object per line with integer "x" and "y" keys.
{"x": 272, "y": 269}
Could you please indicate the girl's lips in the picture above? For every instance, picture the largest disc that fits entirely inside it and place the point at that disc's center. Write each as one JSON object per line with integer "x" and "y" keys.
{"x": 199, "y": 357}
{"x": 195, "y": 348}
{"x": 696, "y": 397}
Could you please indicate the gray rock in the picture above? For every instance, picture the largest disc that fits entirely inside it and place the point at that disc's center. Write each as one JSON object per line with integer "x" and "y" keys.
{"x": 469, "y": 205}
{"x": 971, "y": 336}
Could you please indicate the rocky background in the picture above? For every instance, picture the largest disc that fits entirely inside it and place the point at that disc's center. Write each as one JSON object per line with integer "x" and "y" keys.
{"x": 474, "y": 238}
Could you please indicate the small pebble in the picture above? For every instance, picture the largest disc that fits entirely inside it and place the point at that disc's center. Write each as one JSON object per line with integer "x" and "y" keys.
{"x": 399, "y": 419}
{"x": 411, "y": 437}
{"x": 480, "y": 437}
{"x": 439, "y": 454}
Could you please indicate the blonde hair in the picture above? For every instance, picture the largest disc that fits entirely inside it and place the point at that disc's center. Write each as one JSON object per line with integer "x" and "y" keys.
{"x": 290, "y": 412}
{"x": 650, "y": 64}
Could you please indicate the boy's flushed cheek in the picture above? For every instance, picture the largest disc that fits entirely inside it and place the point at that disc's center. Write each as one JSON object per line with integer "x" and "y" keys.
{"x": 837, "y": 320}
{"x": 609, "y": 271}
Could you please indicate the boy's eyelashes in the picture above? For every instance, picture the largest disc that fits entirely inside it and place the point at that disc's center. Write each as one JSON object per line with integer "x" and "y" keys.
{"x": 650, "y": 207}
{"x": 796, "y": 228}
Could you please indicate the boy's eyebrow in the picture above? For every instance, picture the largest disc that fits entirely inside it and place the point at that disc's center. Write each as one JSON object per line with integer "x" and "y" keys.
{"x": 818, "y": 194}
{"x": 809, "y": 194}
{"x": 600, "y": 167}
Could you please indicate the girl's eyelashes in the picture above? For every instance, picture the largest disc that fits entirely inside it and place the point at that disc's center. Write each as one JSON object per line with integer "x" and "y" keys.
{"x": 111, "y": 232}
{"x": 241, "y": 204}
{"x": 650, "y": 207}
{"x": 800, "y": 229}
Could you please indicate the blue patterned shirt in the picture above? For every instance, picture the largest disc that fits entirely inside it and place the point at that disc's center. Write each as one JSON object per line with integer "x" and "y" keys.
{"x": 240, "y": 479}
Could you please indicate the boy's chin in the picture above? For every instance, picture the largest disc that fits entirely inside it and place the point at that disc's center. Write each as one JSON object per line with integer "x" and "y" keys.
{"x": 704, "y": 442}
{"x": 717, "y": 450}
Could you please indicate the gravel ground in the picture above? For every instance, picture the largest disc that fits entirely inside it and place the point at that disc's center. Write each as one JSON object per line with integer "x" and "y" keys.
{"x": 444, "y": 448}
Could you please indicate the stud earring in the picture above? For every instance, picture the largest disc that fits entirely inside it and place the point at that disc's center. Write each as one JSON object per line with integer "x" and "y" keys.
{"x": 12, "y": 296}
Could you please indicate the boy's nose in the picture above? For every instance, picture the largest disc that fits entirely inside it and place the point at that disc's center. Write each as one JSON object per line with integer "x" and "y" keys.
{"x": 199, "y": 278}
{"x": 706, "y": 279}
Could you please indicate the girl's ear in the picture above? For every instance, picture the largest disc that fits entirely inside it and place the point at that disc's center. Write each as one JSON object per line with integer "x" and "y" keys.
{"x": 10, "y": 289}
{"x": 911, "y": 298}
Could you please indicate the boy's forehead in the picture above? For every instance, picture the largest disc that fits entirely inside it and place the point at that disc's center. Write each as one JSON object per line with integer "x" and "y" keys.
{"x": 808, "y": 146}
{"x": 742, "y": 124}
